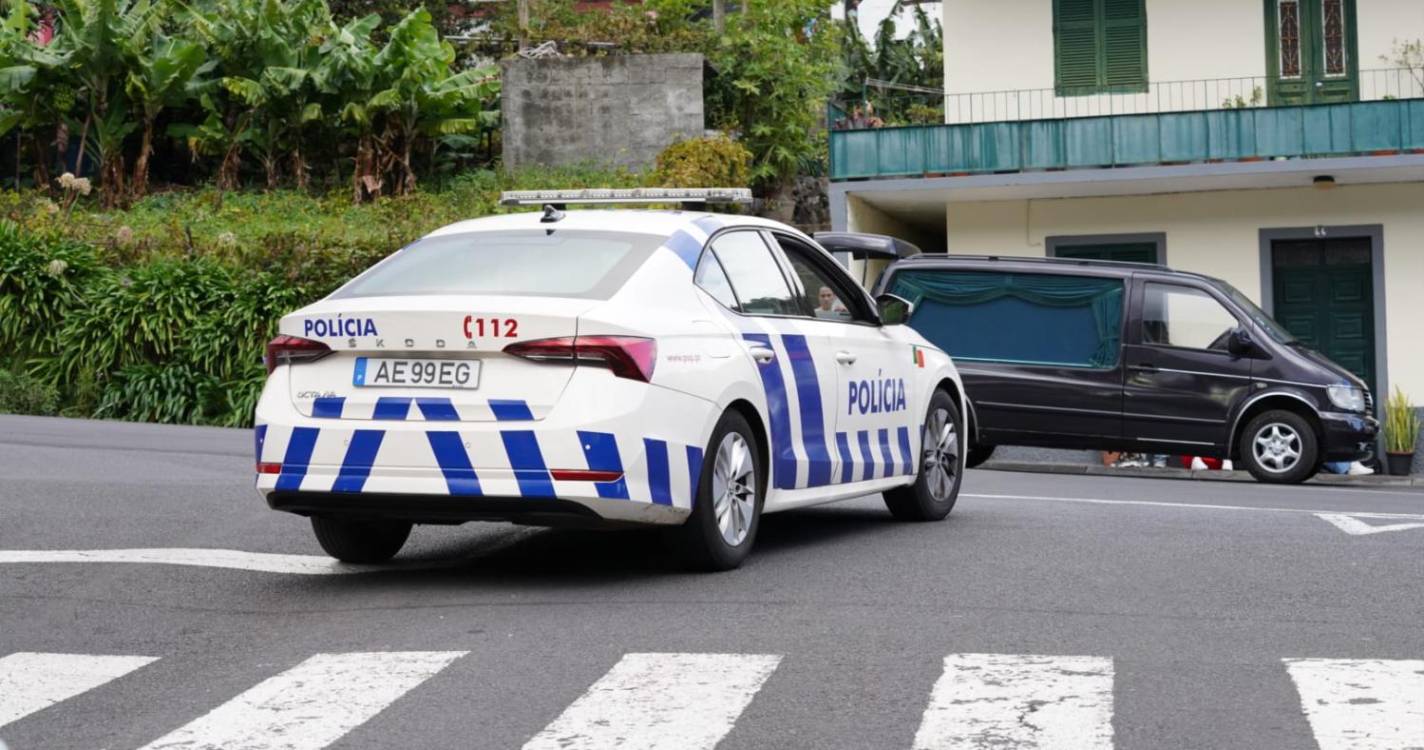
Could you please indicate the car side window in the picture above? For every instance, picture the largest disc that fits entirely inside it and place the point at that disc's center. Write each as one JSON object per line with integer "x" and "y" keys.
{"x": 825, "y": 296}
{"x": 1184, "y": 317}
{"x": 754, "y": 274}
{"x": 713, "y": 280}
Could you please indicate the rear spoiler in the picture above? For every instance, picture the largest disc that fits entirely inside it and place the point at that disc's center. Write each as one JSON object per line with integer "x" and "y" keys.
{"x": 866, "y": 246}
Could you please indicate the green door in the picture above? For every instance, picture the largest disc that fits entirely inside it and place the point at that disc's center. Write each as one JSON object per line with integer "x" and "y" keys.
{"x": 1324, "y": 295}
{"x": 1311, "y": 52}
{"x": 1133, "y": 252}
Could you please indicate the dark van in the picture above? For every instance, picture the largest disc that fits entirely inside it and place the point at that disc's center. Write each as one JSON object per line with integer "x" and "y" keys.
{"x": 1134, "y": 357}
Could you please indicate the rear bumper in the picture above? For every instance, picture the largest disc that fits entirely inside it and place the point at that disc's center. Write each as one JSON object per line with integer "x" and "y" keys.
{"x": 1348, "y": 437}
{"x": 436, "y": 509}
{"x": 454, "y": 471}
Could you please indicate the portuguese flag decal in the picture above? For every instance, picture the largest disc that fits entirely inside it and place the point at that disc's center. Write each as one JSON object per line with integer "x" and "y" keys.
{"x": 918, "y": 355}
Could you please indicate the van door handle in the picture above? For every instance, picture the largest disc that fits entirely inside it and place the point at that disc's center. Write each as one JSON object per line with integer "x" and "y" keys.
{"x": 845, "y": 358}
{"x": 1144, "y": 367}
{"x": 761, "y": 354}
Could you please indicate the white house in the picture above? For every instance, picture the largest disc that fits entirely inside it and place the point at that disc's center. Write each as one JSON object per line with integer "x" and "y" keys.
{"x": 1276, "y": 144}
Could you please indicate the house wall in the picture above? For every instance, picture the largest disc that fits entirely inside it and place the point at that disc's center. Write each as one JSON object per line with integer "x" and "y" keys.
{"x": 998, "y": 46}
{"x": 1218, "y": 233}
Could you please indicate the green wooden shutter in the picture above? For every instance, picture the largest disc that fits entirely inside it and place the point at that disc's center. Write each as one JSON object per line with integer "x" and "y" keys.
{"x": 1076, "y": 42}
{"x": 1124, "y": 45}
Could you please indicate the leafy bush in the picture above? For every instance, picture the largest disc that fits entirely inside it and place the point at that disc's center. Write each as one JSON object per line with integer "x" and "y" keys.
{"x": 40, "y": 282}
{"x": 22, "y": 393}
{"x": 715, "y": 161}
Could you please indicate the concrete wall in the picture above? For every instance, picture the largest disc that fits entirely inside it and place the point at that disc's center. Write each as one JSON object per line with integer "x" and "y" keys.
{"x": 1007, "y": 45}
{"x": 1218, "y": 233}
{"x": 617, "y": 110}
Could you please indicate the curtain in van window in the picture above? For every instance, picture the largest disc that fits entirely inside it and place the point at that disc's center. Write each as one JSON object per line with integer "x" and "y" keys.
{"x": 1021, "y": 318}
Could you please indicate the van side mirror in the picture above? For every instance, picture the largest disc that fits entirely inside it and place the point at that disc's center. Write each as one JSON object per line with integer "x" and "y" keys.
{"x": 1240, "y": 344}
{"x": 893, "y": 309}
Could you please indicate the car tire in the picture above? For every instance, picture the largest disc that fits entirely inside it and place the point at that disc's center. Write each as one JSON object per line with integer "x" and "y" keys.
{"x": 978, "y": 455}
{"x": 1280, "y": 447}
{"x": 360, "y": 541}
{"x": 726, "y": 512}
{"x": 936, "y": 487}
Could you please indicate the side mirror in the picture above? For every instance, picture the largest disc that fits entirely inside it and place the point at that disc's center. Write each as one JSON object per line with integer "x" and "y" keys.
{"x": 1240, "y": 344}
{"x": 893, "y": 309}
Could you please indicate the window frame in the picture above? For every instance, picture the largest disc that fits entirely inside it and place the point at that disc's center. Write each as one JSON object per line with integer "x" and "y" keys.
{"x": 1053, "y": 243}
{"x": 1140, "y": 320}
{"x": 775, "y": 253}
{"x": 851, "y": 293}
{"x": 1100, "y": 50}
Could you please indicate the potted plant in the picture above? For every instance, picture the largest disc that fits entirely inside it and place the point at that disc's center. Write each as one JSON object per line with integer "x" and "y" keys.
{"x": 1401, "y": 428}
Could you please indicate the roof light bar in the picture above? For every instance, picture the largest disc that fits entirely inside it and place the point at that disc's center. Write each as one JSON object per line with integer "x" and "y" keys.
{"x": 741, "y": 196}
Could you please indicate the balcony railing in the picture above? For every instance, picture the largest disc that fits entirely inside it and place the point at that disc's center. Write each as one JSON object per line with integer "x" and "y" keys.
{"x": 1176, "y": 122}
{"x": 1165, "y": 96}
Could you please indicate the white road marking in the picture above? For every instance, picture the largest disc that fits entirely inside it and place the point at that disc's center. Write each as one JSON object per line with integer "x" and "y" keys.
{"x": 30, "y": 682}
{"x": 264, "y": 562}
{"x": 1019, "y": 701}
{"x": 1362, "y": 704}
{"x": 310, "y": 705}
{"x": 1201, "y": 506}
{"x": 660, "y": 702}
{"x": 1355, "y": 527}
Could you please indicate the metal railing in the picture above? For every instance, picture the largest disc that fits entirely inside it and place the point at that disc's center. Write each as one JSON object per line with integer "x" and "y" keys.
{"x": 1167, "y": 96}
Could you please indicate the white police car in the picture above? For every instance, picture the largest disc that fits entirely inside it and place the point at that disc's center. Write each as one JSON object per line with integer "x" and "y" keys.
{"x": 609, "y": 366}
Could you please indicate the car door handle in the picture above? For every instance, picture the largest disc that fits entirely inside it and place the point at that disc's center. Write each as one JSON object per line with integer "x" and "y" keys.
{"x": 845, "y": 358}
{"x": 761, "y": 354}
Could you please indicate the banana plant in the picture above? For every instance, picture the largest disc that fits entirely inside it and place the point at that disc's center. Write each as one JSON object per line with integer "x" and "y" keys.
{"x": 33, "y": 92}
{"x": 167, "y": 72}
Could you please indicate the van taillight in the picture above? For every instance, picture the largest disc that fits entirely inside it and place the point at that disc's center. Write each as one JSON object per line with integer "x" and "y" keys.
{"x": 286, "y": 349}
{"x": 629, "y": 357}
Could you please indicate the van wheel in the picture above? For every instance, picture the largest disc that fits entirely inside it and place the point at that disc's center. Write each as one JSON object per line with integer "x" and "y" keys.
{"x": 1280, "y": 447}
{"x": 936, "y": 487}
{"x": 727, "y": 510}
{"x": 978, "y": 455}
{"x": 360, "y": 541}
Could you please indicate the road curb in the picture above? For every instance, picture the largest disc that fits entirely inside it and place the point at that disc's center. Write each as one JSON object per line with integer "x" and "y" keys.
{"x": 1203, "y": 475}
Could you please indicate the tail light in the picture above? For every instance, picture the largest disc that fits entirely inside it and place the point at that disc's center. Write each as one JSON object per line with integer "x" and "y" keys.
{"x": 286, "y": 349}
{"x": 629, "y": 357}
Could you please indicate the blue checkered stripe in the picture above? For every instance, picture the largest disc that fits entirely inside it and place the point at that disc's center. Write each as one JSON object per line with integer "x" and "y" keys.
{"x": 655, "y": 471}
{"x": 686, "y": 243}
{"x": 829, "y": 456}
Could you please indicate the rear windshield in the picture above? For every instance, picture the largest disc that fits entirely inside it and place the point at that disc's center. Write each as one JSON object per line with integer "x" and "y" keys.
{"x": 1019, "y": 318}
{"x": 537, "y": 263}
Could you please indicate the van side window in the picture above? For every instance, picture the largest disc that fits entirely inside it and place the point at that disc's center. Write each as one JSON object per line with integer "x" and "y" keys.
{"x": 1017, "y": 318}
{"x": 755, "y": 275}
{"x": 1185, "y": 317}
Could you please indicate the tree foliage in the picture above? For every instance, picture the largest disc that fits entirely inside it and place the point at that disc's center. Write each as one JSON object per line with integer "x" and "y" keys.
{"x": 914, "y": 61}
{"x": 237, "y": 84}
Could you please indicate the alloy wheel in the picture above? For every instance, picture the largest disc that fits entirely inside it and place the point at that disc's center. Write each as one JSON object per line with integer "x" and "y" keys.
{"x": 941, "y": 457}
{"x": 1277, "y": 447}
{"x": 734, "y": 483}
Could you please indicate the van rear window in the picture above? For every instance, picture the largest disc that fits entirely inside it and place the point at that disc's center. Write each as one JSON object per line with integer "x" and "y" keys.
{"x": 1020, "y": 318}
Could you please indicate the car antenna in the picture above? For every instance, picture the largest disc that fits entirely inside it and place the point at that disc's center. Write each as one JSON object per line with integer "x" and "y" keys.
{"x": 552, "y": 212}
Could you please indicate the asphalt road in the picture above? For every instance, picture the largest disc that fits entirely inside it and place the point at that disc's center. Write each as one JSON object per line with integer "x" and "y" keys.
{"x": 1182, "y": 598}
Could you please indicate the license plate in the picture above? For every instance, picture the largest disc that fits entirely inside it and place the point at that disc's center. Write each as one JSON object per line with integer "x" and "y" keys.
{"x": 386, "y": 372}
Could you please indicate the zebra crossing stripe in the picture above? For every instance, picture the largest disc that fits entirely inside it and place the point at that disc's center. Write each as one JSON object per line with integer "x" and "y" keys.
{"x": 660, "y": 702}
{"x": 310, "y": 705}
{"x": 30, "y": 682}
{"x": 1362, "y": 704}
{"x": 1005, "y": 700}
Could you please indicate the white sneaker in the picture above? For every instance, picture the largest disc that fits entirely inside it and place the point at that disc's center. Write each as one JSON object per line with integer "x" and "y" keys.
{"x": 1198, "y": 464}
{"x": 1359, "y": 469}
{"x": 1226, "y": 465}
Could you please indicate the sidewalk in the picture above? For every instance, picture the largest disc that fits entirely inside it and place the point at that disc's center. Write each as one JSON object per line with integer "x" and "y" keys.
{"x": 1052, "y": 467}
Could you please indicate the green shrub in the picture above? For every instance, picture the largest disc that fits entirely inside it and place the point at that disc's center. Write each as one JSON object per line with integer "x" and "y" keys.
{"x": 41, "y": 281}
{"x": 713, "y": 161}
{"x": 22, "y": 393}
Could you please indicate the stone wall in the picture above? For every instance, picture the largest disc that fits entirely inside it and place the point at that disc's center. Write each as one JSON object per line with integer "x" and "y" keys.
{"x": 619, "y": 110}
